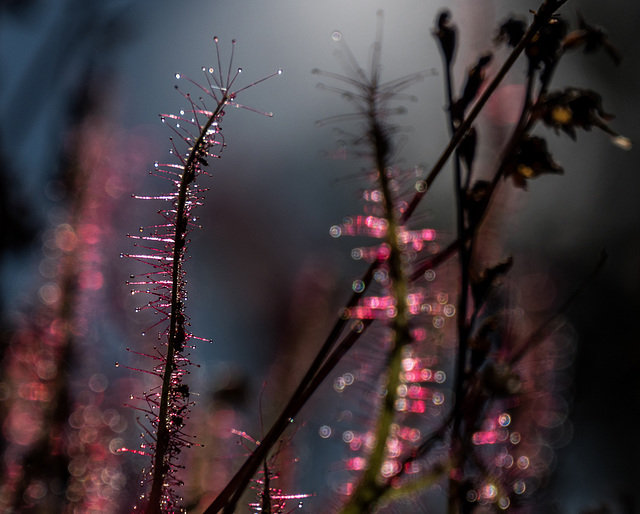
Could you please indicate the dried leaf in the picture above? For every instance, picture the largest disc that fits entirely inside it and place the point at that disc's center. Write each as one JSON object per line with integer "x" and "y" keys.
{"x": 592, "y": 39}
{"x": 530, "y": 160}
{"x": 511, "y": 32}
{"x": 573, "y": 108}
{"x": 482, "y": 284}
{"x": 446, "y": 34}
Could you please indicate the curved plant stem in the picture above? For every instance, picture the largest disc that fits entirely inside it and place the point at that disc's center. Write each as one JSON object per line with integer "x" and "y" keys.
{"x": 464, "y": 260}
{"x": 317, "y": 371}
{"x": 164, "y": 432}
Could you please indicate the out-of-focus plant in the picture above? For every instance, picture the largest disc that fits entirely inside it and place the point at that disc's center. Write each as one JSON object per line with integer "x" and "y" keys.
{"x": 61, "y": 426}
{"x": 457, "y": 380}
{"x": 476, "y": 436}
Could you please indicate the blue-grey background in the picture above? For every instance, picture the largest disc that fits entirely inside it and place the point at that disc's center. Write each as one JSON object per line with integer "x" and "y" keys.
{"x": 275, "y": 194}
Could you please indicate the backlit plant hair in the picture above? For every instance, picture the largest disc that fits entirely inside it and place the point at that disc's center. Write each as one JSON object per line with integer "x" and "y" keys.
{"x": 197, "y": 140}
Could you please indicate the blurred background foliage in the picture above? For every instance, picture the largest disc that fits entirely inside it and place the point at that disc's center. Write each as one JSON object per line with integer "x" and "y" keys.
{"x": 81, "y": 84}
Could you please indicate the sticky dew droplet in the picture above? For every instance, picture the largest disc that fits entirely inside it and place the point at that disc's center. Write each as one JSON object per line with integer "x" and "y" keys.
{"x": 358, "y": 286}
{"x": 504, "y": 419}
{"x": 178, "y": 76}
{"x": 325, "y": 431}
{"x": 504, "y": 503}
{"x": 380, "y": 275}
{"x": 421, "y": 186}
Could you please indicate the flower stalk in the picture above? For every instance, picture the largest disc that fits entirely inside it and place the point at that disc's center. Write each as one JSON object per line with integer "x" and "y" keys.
{"x": 168, "y": 405}
{"x": 381, "y": 148}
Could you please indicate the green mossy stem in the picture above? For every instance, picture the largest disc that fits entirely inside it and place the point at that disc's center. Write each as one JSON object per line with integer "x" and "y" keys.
{"x": 369, "y": 489}
{"x": 411, "y": 488}
{"x": 162, "y": 454}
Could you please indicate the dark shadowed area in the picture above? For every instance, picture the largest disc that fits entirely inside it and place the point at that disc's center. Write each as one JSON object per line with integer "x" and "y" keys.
{"x": 265, "y": 277}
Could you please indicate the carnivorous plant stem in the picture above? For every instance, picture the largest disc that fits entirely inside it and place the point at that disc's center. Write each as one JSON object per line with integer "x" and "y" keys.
{"x": 176, "y": 322}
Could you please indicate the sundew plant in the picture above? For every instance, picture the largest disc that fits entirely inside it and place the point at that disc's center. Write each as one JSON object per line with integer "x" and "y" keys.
{"x": 167, "y": 405}
{"x": 433, "y": 373}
